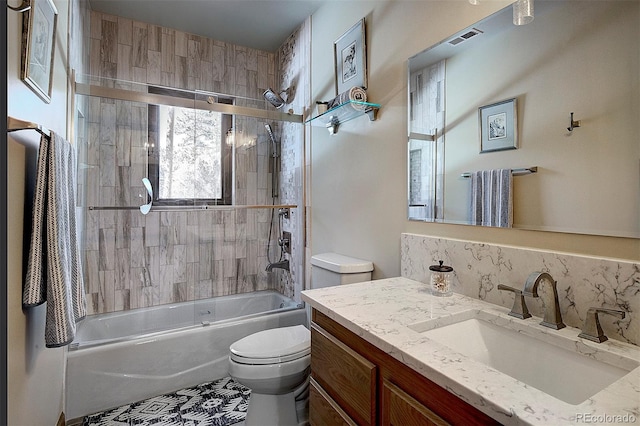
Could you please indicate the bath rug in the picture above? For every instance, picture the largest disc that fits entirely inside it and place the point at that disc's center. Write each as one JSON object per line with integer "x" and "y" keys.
{"x": 223, "y": 402}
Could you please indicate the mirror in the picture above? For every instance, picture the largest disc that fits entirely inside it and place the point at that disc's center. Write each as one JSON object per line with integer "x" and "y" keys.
{"x": 575, "y": 57}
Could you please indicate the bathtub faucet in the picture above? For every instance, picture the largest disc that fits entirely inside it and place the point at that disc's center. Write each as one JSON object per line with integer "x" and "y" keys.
{"x": 283, "y": 264}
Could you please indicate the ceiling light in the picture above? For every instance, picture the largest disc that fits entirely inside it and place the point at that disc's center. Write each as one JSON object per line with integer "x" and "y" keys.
{"x": 522, "y": 12}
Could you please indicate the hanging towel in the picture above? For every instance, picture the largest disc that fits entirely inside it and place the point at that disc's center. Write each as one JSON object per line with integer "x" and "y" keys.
{"x": 54, "y": 272}
{"x": 492, "y": 198}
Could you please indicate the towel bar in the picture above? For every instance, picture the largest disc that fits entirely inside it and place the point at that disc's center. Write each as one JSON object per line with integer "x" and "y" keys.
{"x": 515, "y": 172}
{"x": 194, "y": 208}
{"x": 14, "y": 124}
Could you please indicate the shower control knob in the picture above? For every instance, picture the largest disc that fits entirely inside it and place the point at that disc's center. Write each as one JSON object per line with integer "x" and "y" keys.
{"x": 285, "y": 242}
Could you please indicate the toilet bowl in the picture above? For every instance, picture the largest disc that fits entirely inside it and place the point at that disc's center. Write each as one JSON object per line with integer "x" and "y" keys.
{"x": 275, "y": 365}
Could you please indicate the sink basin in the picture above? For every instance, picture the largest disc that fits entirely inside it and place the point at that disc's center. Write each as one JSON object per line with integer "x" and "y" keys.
{"x": 544, "y": 360}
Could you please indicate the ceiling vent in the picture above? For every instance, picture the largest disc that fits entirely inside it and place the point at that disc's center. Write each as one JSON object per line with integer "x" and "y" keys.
{"x": 464, "y": 37}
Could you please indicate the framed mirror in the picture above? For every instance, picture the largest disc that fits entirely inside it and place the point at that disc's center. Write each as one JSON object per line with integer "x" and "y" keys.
{"x": 576, "y": 57}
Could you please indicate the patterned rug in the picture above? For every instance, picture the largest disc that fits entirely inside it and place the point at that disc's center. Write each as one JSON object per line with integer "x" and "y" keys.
{"x": 220, "y": 403}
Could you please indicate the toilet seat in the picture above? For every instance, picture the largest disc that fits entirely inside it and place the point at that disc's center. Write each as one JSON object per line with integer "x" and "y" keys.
{"x": 272, "y": 346}
{"x": 271, "y": 360}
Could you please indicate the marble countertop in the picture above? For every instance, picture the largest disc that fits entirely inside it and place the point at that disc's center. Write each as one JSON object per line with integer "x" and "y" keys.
{"x": 381, "y": 312}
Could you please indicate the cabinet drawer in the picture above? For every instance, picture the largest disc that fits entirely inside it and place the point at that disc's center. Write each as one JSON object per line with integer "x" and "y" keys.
{"x": 323, "y": 410}
{"x": 400, "y": 409}
{"x": 347, "y": 377}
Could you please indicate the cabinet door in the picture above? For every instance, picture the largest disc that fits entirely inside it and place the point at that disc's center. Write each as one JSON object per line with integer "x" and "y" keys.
{"x": 400, "y": 409}
{"x": 323, "y": 410}
{"x": 346, "y": 376}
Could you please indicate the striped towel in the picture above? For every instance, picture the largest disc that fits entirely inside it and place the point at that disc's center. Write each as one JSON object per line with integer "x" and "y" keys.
{"x": 54, "y": 272}
{"x": 492, "y": 198}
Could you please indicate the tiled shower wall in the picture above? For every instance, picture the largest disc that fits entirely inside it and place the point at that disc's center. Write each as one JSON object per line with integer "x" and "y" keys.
{"x": 294, "y": 59}
{"x": 133, "y": 260}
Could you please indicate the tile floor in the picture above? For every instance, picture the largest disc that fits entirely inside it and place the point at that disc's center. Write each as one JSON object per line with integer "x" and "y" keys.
{"x": 223, "y": 402}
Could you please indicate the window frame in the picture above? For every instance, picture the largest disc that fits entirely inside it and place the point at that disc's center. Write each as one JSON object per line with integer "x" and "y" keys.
{"x": 153, "y": 154}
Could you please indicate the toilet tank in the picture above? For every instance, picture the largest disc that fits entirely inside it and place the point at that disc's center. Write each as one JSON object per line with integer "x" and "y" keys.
{"x": 329, "y": 269}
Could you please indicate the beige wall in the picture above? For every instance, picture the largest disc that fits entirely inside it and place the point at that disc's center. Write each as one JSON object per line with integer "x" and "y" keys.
{"x": 359, "y": 176}
{"x": 589, "y": 170}
{"x": 35, "y": 374}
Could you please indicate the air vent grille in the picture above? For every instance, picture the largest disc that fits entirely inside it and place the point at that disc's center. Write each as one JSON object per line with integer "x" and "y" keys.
{"x": 464, "y": 37}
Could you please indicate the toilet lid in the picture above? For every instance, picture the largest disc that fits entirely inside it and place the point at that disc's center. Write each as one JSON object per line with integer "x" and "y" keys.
{"x": 276, "y": 343}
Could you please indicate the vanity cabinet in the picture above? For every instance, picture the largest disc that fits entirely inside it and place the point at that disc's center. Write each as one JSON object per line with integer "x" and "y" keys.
{"x": 355, "y": 383}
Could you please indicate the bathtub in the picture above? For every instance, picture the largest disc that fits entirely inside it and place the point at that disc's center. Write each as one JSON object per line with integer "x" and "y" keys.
{"x": 119, "y": 358}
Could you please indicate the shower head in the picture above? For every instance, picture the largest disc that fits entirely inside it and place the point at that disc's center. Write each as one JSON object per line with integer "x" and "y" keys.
{"x": 274, "y": 157}
{"x": 273, "y": 98}
{"x": 270, "y": 132}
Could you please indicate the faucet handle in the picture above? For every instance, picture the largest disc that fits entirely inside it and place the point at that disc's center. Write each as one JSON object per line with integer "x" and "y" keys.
{"x": 591, "y": 329}
{"x": 519, "y": 309}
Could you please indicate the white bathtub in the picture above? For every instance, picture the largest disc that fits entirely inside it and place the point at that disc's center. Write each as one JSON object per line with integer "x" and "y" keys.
{"x": 107, "y": 367}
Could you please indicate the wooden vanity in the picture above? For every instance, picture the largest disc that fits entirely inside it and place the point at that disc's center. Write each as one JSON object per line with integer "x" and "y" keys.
{"x": 355, "y": 383}
{"x": 371, "y": 364}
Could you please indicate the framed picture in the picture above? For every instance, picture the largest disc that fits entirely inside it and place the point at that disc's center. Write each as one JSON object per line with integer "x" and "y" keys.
{"x": 350, "y": 55}
{"x": 499, "y": 126}
{"x": 38, "y": 46}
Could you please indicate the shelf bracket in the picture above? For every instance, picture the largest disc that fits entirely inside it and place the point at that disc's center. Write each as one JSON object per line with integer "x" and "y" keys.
{"x": 372, "y": 113}
{"x": 332, "y": 125}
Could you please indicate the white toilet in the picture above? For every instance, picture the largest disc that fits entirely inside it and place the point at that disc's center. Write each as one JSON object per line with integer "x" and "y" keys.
{"x": 329, "y": 269}
{"x": 275, "y": 363}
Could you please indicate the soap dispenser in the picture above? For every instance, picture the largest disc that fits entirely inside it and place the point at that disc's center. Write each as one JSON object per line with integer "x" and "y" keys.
{"x": 441, "y": 277}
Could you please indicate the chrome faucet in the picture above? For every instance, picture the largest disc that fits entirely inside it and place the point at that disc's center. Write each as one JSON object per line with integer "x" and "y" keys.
{"x": 552, "y": 317}
{"x": 591, "y": 328}
{"x": 283, "y": 264}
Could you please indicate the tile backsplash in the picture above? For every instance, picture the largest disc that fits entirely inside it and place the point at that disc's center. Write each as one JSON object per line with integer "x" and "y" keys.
{"x": 582, "y": 281}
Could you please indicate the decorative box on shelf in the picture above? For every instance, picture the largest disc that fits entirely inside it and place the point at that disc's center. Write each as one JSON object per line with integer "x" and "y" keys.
{"x": 342, "y": 113}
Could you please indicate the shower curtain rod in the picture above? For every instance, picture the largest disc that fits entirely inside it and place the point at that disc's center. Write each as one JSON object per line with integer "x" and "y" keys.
{"x": 15, "y": 124}
{"x": 195, "y": 208}
{"x": 152, "y": 98}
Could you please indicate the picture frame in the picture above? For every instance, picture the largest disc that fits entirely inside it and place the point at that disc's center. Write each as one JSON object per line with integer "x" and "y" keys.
{"x": 38, "y": 47}
{"x": 499, "y": 126}
{"x": 350, "y": 58}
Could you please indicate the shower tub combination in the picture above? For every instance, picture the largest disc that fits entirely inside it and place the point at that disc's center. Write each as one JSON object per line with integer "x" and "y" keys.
{"x": 123, "y": 357}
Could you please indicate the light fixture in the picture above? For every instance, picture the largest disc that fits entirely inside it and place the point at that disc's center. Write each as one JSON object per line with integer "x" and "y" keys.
{"x": 522, "y": 12}
{"x": 474, "y": 2}
{"x": 231, "y": 137}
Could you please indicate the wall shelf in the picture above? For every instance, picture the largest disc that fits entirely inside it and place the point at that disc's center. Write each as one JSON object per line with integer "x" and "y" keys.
{"x": 343, "y": 113}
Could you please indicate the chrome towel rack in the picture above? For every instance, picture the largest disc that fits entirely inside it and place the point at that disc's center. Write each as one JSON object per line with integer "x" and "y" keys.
{"x": 15, "y": 124}
{"x": 514, "y": 172}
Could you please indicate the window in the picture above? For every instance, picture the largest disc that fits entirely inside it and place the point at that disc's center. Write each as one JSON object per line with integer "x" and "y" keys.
{"x": 189, "y": 161}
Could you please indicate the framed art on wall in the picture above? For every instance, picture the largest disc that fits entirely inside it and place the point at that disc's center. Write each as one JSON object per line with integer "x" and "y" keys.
{"x": 350, "y": 55}
{"x": 499, "y": 126}
{"x": 38, "y": 47}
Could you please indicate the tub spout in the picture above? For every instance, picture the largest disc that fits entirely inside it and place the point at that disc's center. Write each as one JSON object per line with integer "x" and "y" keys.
{"x": 283, "y": 264}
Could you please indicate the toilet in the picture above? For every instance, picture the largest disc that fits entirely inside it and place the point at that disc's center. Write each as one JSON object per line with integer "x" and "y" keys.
{"x": 329, "y": 269}
{"x": 275, "y": 363}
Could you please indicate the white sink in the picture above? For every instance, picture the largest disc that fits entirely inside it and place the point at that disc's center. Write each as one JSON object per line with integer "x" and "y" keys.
{"x": 560, "y": 366}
